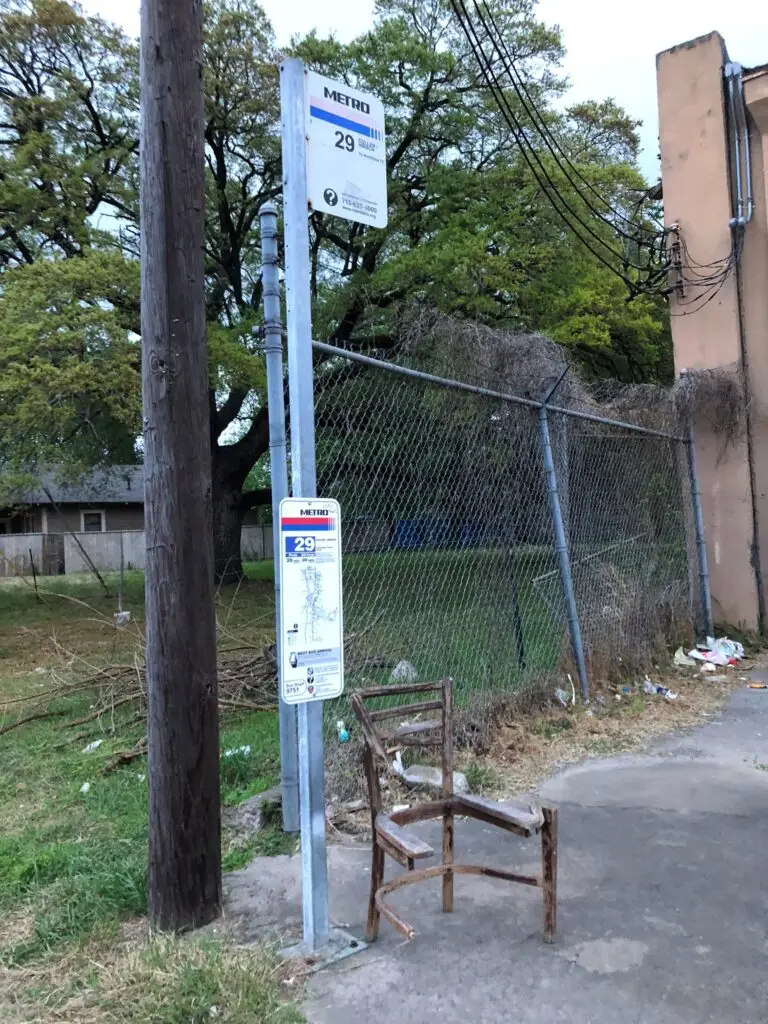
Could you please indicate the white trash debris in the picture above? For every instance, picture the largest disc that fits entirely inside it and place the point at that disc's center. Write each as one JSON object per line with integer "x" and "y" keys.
{"x": 400, "y": 807}
{"x": 562, "y": 697}
{"x": 245, "y": 751}
{"x": 425, "y": 775}
{"x": 85, "y": 787}
{"x": 655, "y": 690}
{"x": 122, "y": 618}
{"x": 92, "y": 746}
{"x": 682, "y": 660}
{"x": 718, "y": 652}
{"x": 404, "y": 672}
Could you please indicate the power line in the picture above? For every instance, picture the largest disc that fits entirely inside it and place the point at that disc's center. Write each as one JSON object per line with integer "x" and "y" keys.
{"x": 551, "y": 142}
{"x": 559, "y": 203}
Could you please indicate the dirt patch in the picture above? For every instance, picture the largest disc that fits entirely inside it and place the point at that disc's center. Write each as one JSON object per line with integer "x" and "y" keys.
{"x": 533, "y": 746}
{"x": 18, "y": 926}
{"x": 530, "y": 743}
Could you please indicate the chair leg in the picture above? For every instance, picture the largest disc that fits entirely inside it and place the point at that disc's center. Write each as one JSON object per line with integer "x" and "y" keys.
{"x": 448, "y": 859}
{"x": 549, "y": 871}
{"x": 377, "y": 879}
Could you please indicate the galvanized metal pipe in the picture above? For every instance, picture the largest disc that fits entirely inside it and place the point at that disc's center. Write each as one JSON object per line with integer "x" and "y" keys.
{"x": 563, "y": 555}
{"x": 278, "y": 467}
{"x": 314, "y": 863}
{"x": 698, "y": 521}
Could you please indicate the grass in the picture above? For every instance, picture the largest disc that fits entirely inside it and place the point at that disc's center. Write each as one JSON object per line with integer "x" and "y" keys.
{"x": 163, "y": 980}
{"x": 481, "y": 777}
{"x": 72, "y": 863}
{"x": 79, "y": 859}
{"x": 441, "y": 610}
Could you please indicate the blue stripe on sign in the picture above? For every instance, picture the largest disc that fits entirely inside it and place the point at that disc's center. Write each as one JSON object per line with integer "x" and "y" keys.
{"x": 343, "y": 122}
{"x": 314, "y": 528}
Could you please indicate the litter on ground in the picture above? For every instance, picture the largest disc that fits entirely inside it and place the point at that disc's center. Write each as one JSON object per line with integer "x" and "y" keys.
{"x": 718, "y": 652}
{"x": 656, "y": 690}
{"x": 682, "y": 660}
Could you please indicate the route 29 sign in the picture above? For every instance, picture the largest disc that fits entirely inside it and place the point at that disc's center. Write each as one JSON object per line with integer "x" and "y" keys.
{"x": 311, "y": 624}
{"x": 346, "y": 152}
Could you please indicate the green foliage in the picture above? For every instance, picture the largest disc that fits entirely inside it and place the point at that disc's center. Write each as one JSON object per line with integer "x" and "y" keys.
{"x": 470, "y": 231}
{"x": 70, "y": 383}
{"x": 481, "y": 777}
{"x": 249, "y": 758}
{"x": 69, "y": 100}
{"x": 82, "y": 863}
{"x": 586, "y": 309}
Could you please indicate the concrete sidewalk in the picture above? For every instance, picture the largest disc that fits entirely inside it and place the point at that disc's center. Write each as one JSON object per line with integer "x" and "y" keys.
{"x": 663, "y": 902}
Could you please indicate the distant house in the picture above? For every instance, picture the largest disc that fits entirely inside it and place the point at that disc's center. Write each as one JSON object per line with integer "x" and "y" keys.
{"x": 97, "y": 502}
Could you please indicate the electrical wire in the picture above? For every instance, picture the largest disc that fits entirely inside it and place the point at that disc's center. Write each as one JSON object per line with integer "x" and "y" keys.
{"x": 559, "y": 203}
{"x": 558, "y": 153}
{"x": 714, "y": 285}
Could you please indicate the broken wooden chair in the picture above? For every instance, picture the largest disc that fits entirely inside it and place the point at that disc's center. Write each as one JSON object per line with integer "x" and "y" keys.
{"x": 390, "y": 833}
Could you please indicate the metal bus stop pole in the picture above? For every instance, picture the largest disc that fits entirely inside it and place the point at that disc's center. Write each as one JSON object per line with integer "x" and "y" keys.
{"x": 314, "y": 866}
{"x": 278, "y": 465}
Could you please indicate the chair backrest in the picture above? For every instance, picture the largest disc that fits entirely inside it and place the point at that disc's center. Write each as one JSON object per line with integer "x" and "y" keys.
{"x": 434, "y": 731}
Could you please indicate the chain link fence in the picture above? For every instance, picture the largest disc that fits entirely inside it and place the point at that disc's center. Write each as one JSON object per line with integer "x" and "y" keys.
{"x": 450, "y": 562}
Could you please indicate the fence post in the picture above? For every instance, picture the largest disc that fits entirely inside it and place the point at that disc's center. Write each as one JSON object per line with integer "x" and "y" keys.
{"x": 122, "y": 575}
{"x": 561, "y": 547}
{"x": 698, "y": 523}
{"x": 278, "y": 468}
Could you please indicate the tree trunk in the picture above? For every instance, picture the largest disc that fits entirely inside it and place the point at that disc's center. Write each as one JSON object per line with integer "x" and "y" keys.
{"x": 227, "y": 528}
{"x": 182, "y": 697}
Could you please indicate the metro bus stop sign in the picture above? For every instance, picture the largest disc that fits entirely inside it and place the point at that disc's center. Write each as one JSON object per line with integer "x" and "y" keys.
{"x": 346, "y": 152}
{"x": 312, "y": 663}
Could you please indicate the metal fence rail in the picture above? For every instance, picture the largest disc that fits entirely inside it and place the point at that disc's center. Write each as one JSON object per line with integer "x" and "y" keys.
{"x": 480, "y": 545}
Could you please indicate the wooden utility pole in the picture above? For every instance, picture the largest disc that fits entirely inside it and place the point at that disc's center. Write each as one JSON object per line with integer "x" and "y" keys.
{"x": 184, "y": 822}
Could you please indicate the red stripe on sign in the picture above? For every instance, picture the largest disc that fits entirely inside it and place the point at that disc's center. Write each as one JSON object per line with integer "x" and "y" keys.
{"x": 313, "y": 521}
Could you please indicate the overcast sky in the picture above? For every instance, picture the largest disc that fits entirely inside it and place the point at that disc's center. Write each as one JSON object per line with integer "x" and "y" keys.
{"x": 611, "y": 46}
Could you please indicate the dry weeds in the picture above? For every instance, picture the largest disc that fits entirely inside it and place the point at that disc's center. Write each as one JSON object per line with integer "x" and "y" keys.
{"x": 530, "y": 748}
{"x": 141, "y": 978}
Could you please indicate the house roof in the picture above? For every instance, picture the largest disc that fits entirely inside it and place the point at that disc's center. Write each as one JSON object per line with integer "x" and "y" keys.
{"x": 114, "y": 485}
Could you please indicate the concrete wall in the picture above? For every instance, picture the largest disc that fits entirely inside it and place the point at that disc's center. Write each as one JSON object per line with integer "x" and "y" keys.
{"x": 755, "y": 306}
{"x": 15, "y": 558}
{"x": 54, "y": 553}
{"x": 104, "y": 550}
{"x": 256, "y": 543}
{"x": 730, "y": 330}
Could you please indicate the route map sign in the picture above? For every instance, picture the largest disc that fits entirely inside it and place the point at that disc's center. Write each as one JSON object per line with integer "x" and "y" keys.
{"x": 346, "y": 152}
{"x": 312, "y": 653}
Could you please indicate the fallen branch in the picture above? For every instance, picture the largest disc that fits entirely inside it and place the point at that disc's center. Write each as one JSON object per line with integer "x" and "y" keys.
{"x": 124, "y": 757}
{"x": 101, "y": 711}
{"x": 38, "y": 716}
